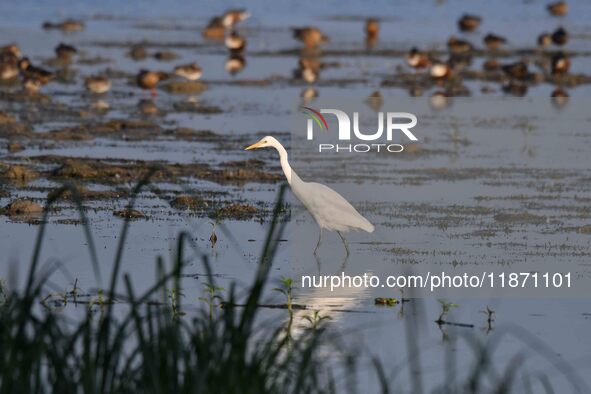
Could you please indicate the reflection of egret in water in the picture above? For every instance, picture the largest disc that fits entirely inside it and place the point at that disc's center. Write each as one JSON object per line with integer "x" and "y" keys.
{"x": 330, "y": 210}
{"x": 323, "y": 305}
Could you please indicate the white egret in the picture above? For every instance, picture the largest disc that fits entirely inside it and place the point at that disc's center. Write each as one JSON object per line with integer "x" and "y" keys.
{"x": 330, "y": 210}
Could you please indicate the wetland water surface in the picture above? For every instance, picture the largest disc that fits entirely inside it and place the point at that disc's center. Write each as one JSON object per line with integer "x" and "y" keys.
{"x": 477, "y": 189}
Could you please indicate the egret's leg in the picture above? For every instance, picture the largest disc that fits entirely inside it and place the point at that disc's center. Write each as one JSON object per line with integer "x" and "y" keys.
{"x": 319, "y": 241}
{"x": 344, "y": 242}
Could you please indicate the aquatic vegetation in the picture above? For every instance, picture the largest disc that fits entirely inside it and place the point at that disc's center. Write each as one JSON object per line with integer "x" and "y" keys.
{"x": 445, "y": 308}
{"x": 286, "y": 289}
{"x": 212, "y": 294}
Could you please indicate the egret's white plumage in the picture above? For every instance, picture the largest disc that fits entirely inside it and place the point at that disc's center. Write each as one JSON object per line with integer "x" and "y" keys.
{"x": 330, "y": 210}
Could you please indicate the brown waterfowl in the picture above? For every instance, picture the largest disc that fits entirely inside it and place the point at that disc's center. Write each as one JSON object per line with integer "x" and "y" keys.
{"x": 67, "y": 25}
{"x": 65, "y": 52}
{"x": 458, "y": 46}
{"x": 165, "y": 56}
{"x": 138, "y": 52}
{"x": 469, "y": 22}
{"x": 150, "y": 79}
{"x": 215, "y": 29}
{"x": 558, "y": 9}
{"x": 235, "y": 42}
{"x": 10, "y": 50}
{"x": 560, "y": 37}
{"x": 233, "y": 17}
{"x": 97, "y": 84}
{"x": 518, "y": 70}
{"x": 560, "y": 64}
{"x": 493, "y": 41}
{"x": 417, "y": 59}
{"x": 9, "y": 69}
{"x": 372, "y": 28}
{"x": 545, "y": 40}
{"x": 310, "y": 36}
{"x": 440, "y": 71}
{"x": 9, "y": 62}
{"x": 33, "y": 73}
{"x": 191, "y": 71}
{"x": 235, "y": 63}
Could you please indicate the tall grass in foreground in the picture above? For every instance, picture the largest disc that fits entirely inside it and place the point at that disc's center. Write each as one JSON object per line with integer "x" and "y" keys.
{"x": 151, "y": 348}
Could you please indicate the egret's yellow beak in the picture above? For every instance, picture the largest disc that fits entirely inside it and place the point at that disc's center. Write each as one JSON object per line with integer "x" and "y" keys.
{"x": 254, "y": 146}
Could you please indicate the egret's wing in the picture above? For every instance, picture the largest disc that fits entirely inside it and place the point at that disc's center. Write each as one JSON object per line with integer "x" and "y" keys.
{"x": 330, "y": 208}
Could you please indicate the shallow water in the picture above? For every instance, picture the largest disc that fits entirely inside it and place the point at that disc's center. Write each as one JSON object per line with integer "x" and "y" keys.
{"x": 259, "y": 101}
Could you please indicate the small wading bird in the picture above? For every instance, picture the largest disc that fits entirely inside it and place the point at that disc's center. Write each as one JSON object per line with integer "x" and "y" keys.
{"x": 65, "y": 52}
{"x": 558, "y": 9}
{"x": 469, "y": 22}
{"x": 310, "y": 36}
{"x": 492, "y": 41}
{"x": 149, "y": 80}
{"x": 33, "y": 77}
{"x": 97, "y": 84}
{"x": 330, "y": 210}
{"x": 191, "y": 71}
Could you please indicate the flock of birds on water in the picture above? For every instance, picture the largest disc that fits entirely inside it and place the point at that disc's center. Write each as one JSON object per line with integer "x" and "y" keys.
{"x": 222, "y": 28}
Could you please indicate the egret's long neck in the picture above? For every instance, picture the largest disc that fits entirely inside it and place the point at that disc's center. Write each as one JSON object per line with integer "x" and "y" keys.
{"x": 284, "y": 163}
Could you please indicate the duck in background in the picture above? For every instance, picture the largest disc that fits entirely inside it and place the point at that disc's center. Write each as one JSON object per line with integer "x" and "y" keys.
{"x": 518, "y": 70}
{"x": 191, "y": 72}
{"x": 9, "y": 55}
{"x": 312, "y": 37}
{"x": 33, "y": 77}
{"x": 468, "y": 23}
{"x": 558, "y": 9}
{"x": 232, "y": 17}
{"x": 97, "y": 84}
{"x": 417, "y": 60}
{"x": 149, "y": 80}
{"x": 494, "y": 42}
{"x": 65, "y": 52}
{"x": 457, "y": 46}
{"x": 68, "y": 25}
{"x": 560, "y": 36}
{"x": 372, "y": 30}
